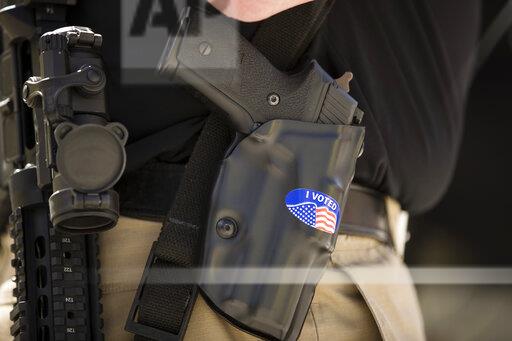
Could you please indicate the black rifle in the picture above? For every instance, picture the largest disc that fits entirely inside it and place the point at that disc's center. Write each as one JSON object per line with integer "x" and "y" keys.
{"x": 64, "y": 156}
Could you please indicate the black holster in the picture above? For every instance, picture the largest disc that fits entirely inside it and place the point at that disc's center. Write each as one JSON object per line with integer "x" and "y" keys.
{"x": 279, "y": 157}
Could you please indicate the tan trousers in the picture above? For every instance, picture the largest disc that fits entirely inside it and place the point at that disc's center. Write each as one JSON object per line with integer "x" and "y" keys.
{"x": 364, "y": 310}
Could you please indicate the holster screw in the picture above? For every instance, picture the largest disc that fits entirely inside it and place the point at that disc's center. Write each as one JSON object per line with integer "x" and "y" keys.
{"x": 273, "y": 99}
{"x": 227, "y": 228}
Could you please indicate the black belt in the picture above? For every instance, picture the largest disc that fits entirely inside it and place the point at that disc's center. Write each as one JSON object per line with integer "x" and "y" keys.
{"x": 366, "y": 214}
{"x": 148, "y": 192}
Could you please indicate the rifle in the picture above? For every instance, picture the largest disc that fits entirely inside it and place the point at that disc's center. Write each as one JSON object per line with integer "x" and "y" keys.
{"x": 62, "y": 156}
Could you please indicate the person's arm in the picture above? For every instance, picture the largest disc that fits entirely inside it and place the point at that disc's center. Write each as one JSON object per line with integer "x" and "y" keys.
{"x": 254, "y": 10}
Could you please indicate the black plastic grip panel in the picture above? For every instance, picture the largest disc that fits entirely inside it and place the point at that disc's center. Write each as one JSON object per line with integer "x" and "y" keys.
{"x": 219, "y": 62}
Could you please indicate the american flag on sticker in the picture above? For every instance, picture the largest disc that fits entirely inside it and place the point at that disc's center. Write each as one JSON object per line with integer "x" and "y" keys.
{"x": 314, "y": 209}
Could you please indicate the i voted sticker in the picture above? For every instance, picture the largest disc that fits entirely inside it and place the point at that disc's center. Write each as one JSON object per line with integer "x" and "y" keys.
{"x": 314, "y": 208}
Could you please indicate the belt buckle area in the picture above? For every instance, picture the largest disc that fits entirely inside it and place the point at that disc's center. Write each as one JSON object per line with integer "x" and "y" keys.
{"x": 133, "y": 326}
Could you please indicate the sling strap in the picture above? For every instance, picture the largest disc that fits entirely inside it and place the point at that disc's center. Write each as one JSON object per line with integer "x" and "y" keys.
{"x": 161, "y": 310}
{"x": 164, "y": 308}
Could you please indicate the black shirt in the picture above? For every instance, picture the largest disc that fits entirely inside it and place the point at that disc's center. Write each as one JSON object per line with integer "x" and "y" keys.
{"x": 412, "y": 62}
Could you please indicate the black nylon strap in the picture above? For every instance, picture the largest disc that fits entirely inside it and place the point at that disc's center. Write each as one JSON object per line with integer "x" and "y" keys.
{"x": 190, "y": 207}
{"x": 282, "y": 39}
{"x": 163, "y": 306}
{"x": 148, "y": 192}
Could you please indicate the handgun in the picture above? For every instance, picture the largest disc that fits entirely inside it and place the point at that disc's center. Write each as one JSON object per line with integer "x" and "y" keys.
{"x": 226, "y": 68}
